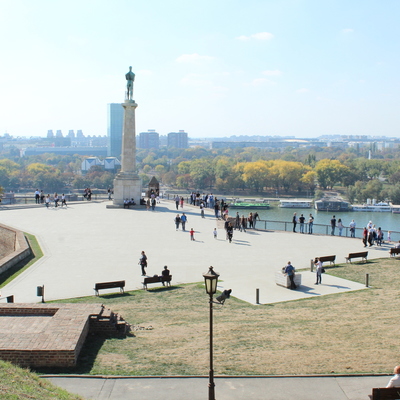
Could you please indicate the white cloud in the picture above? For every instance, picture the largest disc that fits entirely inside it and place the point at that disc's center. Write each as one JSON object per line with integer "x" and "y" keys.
{"x": 262, "y": 81}
{"x": 274, "y": 72}
{"x": 347, "y": 30}
{"x": 302, "y": 90}
{"x": 193, "y": 58}
{"x": 257, "y": 36}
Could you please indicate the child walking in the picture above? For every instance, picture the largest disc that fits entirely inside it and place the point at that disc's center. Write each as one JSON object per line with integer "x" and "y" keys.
{"x": 191, "y": 234}
{"x": 215, "y": 233}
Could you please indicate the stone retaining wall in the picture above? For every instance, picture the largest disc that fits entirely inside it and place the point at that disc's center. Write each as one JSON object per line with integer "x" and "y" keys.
{"x": 13, "y": 247}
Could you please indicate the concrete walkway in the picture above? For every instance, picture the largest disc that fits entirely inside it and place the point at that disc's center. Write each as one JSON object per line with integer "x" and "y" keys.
{"x": 229, "y": 388}
{"x": 88, "y": 243}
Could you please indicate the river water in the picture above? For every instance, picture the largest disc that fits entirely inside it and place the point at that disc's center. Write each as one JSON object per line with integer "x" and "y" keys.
{"x": 386, "y": 220}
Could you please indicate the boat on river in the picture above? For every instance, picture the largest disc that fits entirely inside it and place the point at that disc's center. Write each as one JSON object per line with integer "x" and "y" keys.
{"x": 331, "y": 204}
{"x": 376, "y": 207}
{"x": 295, "y": 204}
{"x": 250, "y": 205}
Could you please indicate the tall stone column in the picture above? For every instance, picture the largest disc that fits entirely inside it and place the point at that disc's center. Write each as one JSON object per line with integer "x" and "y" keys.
{"x": 127, "y": 183}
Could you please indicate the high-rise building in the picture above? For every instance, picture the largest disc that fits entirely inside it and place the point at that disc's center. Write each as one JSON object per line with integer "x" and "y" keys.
{"x": 50, "y": 134}
{"x": 71, "y": 133}
{"x": 59, "y": 133}
{"x": 149, "y": 140}
{"x": 115, "y": 121}
{"x": 178, "y": 140}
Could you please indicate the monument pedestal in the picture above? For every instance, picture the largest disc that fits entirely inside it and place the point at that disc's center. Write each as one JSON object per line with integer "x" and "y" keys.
{"x": 126, "y": 186}
{"x": 127, "y": 183}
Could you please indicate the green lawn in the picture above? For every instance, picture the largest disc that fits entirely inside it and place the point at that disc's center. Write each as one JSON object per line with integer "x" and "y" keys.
{"x": 343, "y": 333}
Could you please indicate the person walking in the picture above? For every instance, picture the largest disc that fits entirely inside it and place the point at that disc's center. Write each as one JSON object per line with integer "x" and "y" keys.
{"x": 56, "y": 200}
{"x": 255, "y": 216}
{"x": 47, "y": 201}
{"x": 250, "y": 219}
{"x": 177, "y": 221}
{"x": 302, "y": 220}
{"x": 310, "y": 224}
{"x": 191, "y": 234}
{"x": 63, "y": 201}
{"x": 365, "y": 236}
{"x": 183, "y": 221}
{"x": 37, "y": 196}
{"x": 177, "y": 200}
{"x": 237, "y": 220}
{"x": 290, "y": 270}
{"x": 340, "y": 226}
{"x": 294, "y": 220}
{"x": 352, "y": 226}
{"x": 143, "y": 263}
{"x": 379, "y": 237}
{"x": 215, "y": 233}
{"x": 153, "y": 203}
{"x": 243, "y": 224}
{"x": 181, "y": 201}
{"x": 318, "y": 270}
{"x": 333, "y": 225}
{"x": 202, "y": 209}
{"x": 229, "y": 232}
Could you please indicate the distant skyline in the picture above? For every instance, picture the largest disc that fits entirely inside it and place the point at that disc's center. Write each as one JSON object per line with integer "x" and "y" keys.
{"x": 213, "y": 68}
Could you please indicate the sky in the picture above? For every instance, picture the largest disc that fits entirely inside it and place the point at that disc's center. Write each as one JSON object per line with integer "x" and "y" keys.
{"x": 213, "y": 68}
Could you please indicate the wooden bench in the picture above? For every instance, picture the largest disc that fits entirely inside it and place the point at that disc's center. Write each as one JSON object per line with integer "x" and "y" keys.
{"x": 394, "y": 251}
{"x": 331, "y": 259}
{"x": 385, "y": 393}
{"x": 109, "y": 285}
{"x": 362, "y": 254}
{"x": 157, "y": 279}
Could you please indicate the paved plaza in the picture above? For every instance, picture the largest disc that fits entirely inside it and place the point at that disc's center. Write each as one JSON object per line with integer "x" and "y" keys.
{"x": 88, "y": 243}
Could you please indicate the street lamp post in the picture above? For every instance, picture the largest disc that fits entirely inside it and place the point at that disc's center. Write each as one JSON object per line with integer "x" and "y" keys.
{"x": 211, "y": 280}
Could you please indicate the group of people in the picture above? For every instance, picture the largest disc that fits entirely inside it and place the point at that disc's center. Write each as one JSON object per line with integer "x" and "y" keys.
{"x": 56, "y": 199}
{"x": 241, "y": 221}
{"x": 302, "y": 221}
{"x": 87, "y": 194}
{"x": 372, "y": 235}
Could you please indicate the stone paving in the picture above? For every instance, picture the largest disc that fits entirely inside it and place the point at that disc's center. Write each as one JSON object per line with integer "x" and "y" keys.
{"x": 87, "y": 243}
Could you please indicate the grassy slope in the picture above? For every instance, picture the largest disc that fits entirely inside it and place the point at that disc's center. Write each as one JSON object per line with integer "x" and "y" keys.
{"x": 351, "y": 332}
{"x": 18, "y": 384}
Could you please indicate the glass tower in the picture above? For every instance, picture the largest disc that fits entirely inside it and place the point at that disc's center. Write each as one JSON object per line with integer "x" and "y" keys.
{"x": 115, "y": 120}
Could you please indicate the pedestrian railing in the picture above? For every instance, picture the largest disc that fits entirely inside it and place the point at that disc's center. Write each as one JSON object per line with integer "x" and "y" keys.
{"x": 319, "y": 229}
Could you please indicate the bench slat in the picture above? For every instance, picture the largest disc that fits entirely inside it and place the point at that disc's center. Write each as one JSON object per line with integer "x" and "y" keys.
{"x": 109, "y": 285}
{"x": 385, "y": 393}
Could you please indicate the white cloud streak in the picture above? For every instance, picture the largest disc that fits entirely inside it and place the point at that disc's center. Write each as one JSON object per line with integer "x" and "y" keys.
{"x": 256, "y": 36}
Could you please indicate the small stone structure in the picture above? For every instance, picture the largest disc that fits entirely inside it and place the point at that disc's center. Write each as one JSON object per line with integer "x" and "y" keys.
{"x": 52, "y": 335}
{"x": 13, "y": 247}
{"x": 153, "y": 187}
{"x": 284, "y": 280}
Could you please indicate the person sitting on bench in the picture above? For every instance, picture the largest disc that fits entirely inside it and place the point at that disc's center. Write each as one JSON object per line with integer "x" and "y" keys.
{"x": 164, "y": 274}
{"x": 395, "y": 380}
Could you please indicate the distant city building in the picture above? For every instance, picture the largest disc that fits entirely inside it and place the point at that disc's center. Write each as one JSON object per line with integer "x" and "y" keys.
{"x": 178, "y": 139}
{"x": 115, "y": 120}
{"x": 111, "y": 164}
{"x": 59, "y": 133}
{"x": 71, "y": 133}
{"x": 79, "y": 134}
{"x": 149, "y": 140}
{"x": 50, "y": 134}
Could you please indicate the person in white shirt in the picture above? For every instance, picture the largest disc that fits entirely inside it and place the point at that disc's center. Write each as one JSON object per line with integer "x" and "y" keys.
{"x": 352, "y": 226}
{"x": 318, "y": 266}
{"x": 395, "y": 380}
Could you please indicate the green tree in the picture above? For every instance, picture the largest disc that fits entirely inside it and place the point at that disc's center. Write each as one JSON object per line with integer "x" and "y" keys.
{"x": 330, "y": 172}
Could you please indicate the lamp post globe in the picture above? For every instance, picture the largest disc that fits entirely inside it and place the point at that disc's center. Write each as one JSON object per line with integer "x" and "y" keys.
{"x": 211, "y": 281}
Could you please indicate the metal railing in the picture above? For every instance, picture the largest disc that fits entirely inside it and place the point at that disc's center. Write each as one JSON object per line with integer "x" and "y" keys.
{"x": 318, "y": 229}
